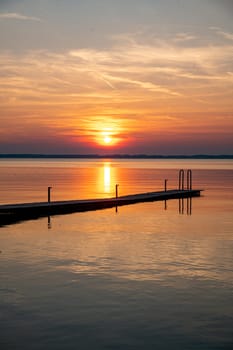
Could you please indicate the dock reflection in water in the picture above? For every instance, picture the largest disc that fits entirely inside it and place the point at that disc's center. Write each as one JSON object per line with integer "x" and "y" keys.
{"x": 181, "y": 202}
{"x": 188, "y": 202}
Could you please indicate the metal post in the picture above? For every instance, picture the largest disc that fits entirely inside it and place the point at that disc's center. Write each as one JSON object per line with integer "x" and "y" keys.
{"x": 117, "y": 190}
{"x": 49, "y": 192}
{"x": 165, "y": 185}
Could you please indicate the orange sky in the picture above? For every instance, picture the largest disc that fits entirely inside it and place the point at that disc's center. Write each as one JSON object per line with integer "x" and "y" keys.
{"x": 141, "y": 89}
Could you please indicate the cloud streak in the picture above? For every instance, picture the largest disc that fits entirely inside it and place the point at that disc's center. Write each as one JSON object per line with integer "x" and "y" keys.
{"x": 18, "y": 16}
{"x": 159, "y": 69}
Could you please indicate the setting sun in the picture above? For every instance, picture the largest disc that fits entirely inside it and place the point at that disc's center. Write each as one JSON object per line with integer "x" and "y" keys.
{"x": 107, "y": 139}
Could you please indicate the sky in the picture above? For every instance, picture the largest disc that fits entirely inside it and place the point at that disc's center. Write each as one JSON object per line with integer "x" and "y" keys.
{"x": 116, "y": 76}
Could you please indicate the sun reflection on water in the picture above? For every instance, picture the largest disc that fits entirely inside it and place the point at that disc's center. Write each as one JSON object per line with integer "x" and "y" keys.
{"x": 107, "y": 177}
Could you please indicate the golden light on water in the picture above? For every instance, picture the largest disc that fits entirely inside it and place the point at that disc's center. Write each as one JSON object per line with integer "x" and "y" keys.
{"x": 105, "y": 184}
{"x": 107, "y": 177}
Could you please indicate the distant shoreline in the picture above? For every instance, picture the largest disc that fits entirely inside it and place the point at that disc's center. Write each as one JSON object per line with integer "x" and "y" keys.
{"x": 112, "y": 156}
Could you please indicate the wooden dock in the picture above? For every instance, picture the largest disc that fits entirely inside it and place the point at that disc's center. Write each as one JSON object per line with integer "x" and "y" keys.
{"x": 11, "y": 213}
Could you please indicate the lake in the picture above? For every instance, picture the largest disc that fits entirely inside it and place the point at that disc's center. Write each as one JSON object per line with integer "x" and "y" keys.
{"x": 155, "y": 275}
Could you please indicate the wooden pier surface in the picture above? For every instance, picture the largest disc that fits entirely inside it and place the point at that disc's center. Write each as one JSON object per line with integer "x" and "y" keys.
{"x": 25, "y": 211}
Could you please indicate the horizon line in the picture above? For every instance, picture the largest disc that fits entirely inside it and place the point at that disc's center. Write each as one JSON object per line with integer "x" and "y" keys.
{"x": 119, "y": 156}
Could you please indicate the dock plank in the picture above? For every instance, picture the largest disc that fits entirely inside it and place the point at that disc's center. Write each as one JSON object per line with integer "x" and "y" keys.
{"x": 26, "y": 211}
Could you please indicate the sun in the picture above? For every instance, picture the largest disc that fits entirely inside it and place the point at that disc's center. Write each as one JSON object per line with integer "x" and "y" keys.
{"x": 107, "y": 139}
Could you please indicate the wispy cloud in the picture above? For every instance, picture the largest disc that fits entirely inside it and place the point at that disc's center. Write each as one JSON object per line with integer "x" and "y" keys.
{"x": 226, "y": 35}
{"x": 18, "y": 16}
{"x": 222, "y": 33}
{"x": 181, "y": 37}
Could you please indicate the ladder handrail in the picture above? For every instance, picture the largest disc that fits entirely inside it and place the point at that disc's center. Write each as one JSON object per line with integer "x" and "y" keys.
{"x": 181, "y": 179}
{"x": 189, "y": 179}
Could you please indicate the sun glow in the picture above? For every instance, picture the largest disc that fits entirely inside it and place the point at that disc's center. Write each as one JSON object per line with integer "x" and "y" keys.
{"x": 107, "y": 139}
{"x": 107, "y": 133}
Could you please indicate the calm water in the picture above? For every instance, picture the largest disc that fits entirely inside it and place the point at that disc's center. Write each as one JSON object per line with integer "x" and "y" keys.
{"x": 149, "y": 276}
